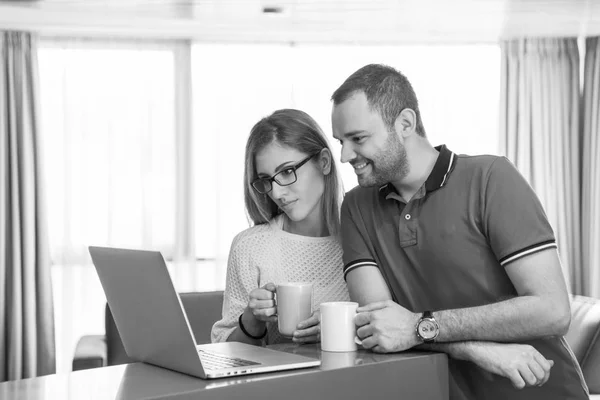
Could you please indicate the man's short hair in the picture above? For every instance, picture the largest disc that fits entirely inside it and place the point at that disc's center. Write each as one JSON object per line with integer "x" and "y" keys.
{"x": 388, "y": 91}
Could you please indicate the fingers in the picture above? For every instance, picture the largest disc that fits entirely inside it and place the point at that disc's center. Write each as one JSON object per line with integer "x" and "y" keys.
{"x": 369, "y": 342}
{"x": 263, "y": 310}
{"x": 528, "y": 376}
{"x": 264, "y": 293}
{"x": 270, "y": 287}
{"x": 516, "y": 379}
{"x": 313, "y": 320}
{"x": 307, "y": 339}
{"x": 362, "y": 318}
{"x": 541, "y": 376}
{"x": 309, "y": 330}
{"x": 309, "y": 335}
{"x": 264, "y": 315}
{"x": 536, "y": 372}
{"x": 260, "y": 304}
{"x": 541, "y": 367}
{"x": 543, "y": 362}
{"x": 364, "y": 331}
{"x": 312, "y": 331}
{"x": 374, "y": 306}
{"x": 378, "y": 349}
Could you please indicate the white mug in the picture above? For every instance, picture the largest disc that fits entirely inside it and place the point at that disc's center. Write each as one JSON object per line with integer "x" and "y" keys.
{"x": 338, "y": 332}
{"x": 294, "y": 305}
{"x": 337, "y": 359}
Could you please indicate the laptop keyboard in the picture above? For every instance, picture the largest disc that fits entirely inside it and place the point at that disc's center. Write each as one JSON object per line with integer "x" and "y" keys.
{"x": 212, "y": 360}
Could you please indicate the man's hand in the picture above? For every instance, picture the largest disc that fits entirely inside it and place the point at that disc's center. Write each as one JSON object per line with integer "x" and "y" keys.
{"x": 520, "y": 363}
{"x": 309, "y": 330}
{"x": 386, "y": 327}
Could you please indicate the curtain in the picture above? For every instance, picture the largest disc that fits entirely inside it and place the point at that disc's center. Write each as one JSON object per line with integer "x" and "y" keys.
{"x": 591, "y": 169}
{"x": 539, "y": 133}
{"x": 26, "y": 313}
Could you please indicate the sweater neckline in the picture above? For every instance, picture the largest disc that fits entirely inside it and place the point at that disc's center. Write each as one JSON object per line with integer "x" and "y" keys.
{"x": 276, "y": 225}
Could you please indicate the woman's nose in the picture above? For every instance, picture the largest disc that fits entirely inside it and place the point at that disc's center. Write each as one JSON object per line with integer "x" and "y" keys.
{"x": 277, "y": 190}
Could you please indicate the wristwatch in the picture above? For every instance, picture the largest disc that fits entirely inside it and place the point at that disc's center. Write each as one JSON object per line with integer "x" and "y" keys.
{"x": 427, "y": 328}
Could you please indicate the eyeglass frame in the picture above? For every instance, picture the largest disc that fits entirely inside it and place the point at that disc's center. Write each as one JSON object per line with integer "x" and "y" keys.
{"x": 272, "y": 179}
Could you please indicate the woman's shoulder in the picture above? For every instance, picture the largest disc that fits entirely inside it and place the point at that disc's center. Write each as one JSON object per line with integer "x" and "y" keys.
{"x": 253, "y": 235}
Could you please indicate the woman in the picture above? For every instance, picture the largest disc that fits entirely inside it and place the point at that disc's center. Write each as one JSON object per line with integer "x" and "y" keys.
{"x": 293, "y": 195}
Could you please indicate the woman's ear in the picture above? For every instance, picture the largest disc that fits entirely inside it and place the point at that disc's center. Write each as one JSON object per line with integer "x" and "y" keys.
{"x": 325, "y": 160}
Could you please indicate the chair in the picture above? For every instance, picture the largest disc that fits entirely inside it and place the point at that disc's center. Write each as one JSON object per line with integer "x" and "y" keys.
{"x": 584, "y": 339}
{"x": 203, "y": 309}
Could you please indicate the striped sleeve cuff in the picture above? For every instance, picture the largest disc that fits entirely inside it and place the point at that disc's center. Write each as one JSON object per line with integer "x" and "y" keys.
{"x": 527, "y": 251}
{"x": 357, "y": 264}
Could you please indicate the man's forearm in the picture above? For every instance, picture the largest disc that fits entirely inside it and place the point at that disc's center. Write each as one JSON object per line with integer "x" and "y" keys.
{"x": 517, "y": 319}
{"x": 456, "y": 350}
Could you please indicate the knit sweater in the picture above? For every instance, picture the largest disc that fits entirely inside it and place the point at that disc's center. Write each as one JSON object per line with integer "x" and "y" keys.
{"x": 266, "y": 253}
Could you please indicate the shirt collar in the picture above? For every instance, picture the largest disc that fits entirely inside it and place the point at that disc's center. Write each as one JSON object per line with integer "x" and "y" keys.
{"x": 438, "y": 176}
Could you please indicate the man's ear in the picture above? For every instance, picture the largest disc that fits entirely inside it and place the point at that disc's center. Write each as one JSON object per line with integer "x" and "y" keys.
{"x": 325, "y": 161}
{"x": 406, "y": 123}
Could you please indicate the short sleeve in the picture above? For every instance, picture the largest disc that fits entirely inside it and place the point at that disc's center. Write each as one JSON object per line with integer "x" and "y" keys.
{"x": 514, "y": 220}
{"x": 240, "y": 281}
{"x": 355, "y": 242}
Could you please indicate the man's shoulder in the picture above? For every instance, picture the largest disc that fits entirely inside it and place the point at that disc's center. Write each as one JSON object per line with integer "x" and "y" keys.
{"x": 359, "y": 196}
{"x": 483, "y": 164}
{"x": 483, "y": 161}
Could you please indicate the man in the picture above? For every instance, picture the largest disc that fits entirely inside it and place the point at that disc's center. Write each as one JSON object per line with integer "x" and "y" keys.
{"x": 449, "y": 252}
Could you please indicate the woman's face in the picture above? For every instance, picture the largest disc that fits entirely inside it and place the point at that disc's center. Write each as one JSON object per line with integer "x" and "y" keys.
{"x": 302, "y": 199}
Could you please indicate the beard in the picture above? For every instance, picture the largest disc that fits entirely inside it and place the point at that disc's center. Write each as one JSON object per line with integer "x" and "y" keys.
{"x": 390, "y": 164}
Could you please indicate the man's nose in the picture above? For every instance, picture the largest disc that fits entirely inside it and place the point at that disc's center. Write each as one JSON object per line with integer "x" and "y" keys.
{"x": 348, "y": 153}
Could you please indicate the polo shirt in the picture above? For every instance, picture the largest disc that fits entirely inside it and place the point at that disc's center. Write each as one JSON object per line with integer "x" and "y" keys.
{"x": 447, "y": 247}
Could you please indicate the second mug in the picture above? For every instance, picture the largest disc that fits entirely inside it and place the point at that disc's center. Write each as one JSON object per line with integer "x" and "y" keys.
{"x": 338, "y": 332}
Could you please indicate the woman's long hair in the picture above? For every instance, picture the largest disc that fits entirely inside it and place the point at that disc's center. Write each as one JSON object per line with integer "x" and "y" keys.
{"x": 295, "y": 129}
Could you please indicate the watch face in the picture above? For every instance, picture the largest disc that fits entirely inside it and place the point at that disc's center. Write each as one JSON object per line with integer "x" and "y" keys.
{"x": 428, "y": 329}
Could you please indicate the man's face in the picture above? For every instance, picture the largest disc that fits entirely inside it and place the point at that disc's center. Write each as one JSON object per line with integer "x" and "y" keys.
{"x": 377, "y": 155}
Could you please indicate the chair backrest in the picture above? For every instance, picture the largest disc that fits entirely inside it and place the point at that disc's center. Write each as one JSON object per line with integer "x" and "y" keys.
{"x": 203, "y": 309}
{"x": 584, "y": 338}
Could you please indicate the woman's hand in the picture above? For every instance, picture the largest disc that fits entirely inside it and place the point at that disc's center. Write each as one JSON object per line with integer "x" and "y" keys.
{"x": 262, "y": 303}
{"x": 309, "y": 330}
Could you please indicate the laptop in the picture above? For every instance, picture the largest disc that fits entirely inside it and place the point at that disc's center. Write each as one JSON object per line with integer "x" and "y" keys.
{"x": 154, "y": 328}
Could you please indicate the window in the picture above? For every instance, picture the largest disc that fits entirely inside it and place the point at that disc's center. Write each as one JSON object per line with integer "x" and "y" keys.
{"x": 109, "y": 162}
{"x": 231, "y": 93}
{"x": 108, "y": 125}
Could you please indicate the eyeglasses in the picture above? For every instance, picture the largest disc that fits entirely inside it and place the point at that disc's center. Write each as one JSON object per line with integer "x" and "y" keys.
{"x": 284, "y": 177}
